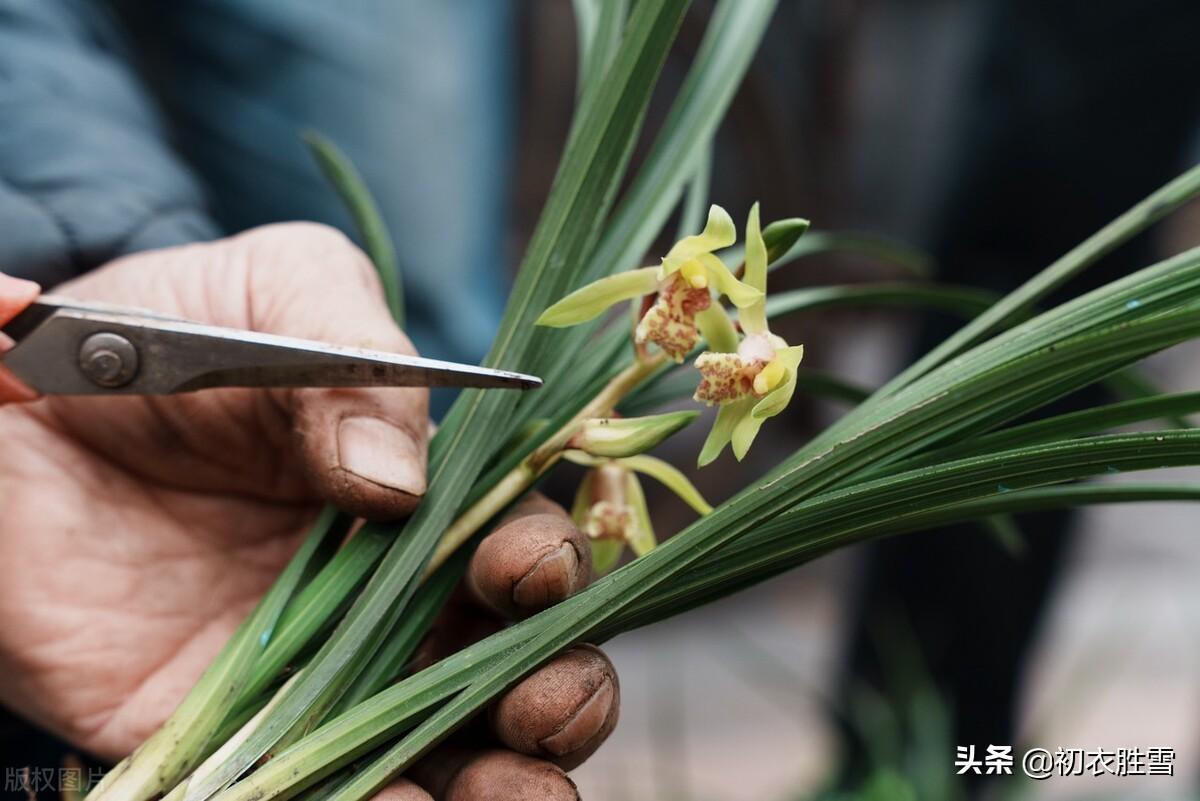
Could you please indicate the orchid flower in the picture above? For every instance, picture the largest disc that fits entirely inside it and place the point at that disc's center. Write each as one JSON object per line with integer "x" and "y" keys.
{"x": 610, "y": 507}
{"x": 752, "y": 380}
{"x": 683, "y": 285}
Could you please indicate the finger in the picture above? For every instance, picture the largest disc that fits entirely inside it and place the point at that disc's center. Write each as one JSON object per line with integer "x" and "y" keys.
{"x": 564, "y": 711}
{"x": 459, "y": 775}
{"x": 363, "y": 449}
{"x": 534, "y": 559}
{"x": 15, "y": 295}
{"x": 402, "y": 790}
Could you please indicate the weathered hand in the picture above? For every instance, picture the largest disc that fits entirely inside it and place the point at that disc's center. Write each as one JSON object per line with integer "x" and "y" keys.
{"x": 137, "y": 532}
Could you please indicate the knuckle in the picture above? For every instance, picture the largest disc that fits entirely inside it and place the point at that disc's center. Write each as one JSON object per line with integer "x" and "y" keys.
{"x": 311, "y": 247}
{"x": 530, "y": 563}
{"x": 503, "y": 775}
{"x": 564, "y": 711}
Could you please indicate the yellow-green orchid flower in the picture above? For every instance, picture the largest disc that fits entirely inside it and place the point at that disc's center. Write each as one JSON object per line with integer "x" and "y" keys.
{"x": 610, "y": 507}
{"x": 684, "y": 284}
{"x": 752, "y": 380}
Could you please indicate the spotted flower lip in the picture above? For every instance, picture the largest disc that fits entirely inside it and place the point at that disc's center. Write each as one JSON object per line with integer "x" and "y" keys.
{"x": 671, "y": 322}
{"x": 751, "y": 380}
{"x": 683, "y": 286}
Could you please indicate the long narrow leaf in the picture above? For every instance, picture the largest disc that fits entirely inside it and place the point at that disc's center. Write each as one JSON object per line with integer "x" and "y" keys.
{"x": 583, "y": 191}
{"x": 182, "y": 741}
{"x": 364, "y": 211}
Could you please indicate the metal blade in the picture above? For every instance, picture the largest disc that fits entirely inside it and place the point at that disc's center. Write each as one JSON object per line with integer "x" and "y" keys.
{"x": 171, "y": 356}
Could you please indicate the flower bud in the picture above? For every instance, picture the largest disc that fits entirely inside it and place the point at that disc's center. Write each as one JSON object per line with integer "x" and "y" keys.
{"x": 615, "y": 437}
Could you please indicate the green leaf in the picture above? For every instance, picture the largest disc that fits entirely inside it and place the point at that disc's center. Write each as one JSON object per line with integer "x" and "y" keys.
{"x": 404, "y": 639}
{"x": 183, "y": 741}
{"x": 365, "y": 212}
{"x": 783, "y": 248}
{"x": 1007, "y": 534}
{"x": 695, "y": 201}
{"x": 732, "y": 37}
{"x": 879, "y": 248}
{"x": 1132, "y": 384}
{"x": 821, "y": 384}
{"x": 314, "y": 607}
{"x": 598, "y": 25}
{"x": 729, "y": 43}
{"x": 1086, "y": 421}
{"x": 965, "y": 301}
{"x": 588, "y": 177}
{"x": 1014, "y": 305}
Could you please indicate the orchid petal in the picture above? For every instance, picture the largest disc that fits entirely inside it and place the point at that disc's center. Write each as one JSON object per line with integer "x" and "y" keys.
{"x": 754, "y": 317}
{"x": 583, "y": 502}
{"x": 728, "y": 417}
{"x": 590, "y": 301}
{"x": 641, "y": 538}
{"x": 777, "y": 399}
{"x": 719, "y": 232}
{"x": 717, "y": 329}
{"x": 670, "y": 477}
{"x": 724, "y": 281}
{"x": 605, "y": 555}
{"x": 744, "y": 433}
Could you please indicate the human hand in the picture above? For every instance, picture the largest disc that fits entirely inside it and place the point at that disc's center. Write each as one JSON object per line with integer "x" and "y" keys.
{"x": 139, "y": 531}
{"x": 15, "y": 297}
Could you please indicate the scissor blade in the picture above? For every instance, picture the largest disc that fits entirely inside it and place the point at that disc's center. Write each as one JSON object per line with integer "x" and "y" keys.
{"x": 180, "y": 356}
{"x": 270, "y": 361}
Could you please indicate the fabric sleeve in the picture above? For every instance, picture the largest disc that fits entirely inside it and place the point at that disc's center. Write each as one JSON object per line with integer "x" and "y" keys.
{"x": 86, "y": 171}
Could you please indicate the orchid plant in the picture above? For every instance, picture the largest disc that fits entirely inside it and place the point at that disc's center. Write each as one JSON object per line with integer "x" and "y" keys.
{"x": 315, "y": 694}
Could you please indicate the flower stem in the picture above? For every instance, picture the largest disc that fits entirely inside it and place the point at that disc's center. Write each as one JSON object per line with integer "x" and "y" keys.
{"x": 522, "y": 477}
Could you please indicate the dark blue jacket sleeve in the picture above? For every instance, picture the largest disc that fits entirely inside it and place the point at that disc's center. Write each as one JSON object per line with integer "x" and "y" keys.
{"x": 86, "y": 171}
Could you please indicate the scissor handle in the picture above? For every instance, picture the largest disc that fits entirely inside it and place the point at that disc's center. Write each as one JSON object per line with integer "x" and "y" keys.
{"x": 15, "y": 296}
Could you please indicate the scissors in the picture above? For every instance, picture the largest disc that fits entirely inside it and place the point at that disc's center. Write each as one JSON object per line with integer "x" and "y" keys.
{"x": 68, "y": 347}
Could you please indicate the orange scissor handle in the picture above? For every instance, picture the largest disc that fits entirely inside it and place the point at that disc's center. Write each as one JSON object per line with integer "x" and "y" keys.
{"x": 15, "y": 295}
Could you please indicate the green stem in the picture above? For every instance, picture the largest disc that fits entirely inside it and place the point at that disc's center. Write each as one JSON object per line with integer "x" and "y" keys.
{"x": 523, "y": 476}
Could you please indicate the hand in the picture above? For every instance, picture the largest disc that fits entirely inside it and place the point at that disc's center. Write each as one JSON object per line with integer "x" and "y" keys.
{"x": 15, "y": 296}
{"x": 138, "y": 532}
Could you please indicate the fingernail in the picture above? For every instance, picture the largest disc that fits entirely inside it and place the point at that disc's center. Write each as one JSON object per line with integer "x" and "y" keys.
{"x": 584, "y": 725}
{"x": 379, "y": 452}
{"x": 553, "y": 578}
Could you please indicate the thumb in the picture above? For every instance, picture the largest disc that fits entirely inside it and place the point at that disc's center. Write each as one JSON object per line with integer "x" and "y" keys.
{"x": 363, "y": 449}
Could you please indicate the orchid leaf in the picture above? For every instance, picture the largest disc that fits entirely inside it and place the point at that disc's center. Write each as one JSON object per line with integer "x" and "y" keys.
{"x": 377, "y": 242}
